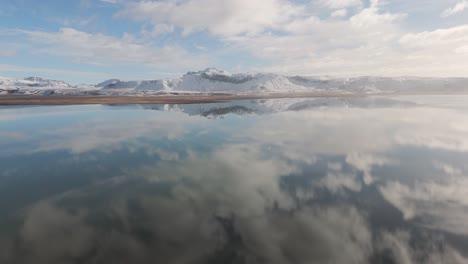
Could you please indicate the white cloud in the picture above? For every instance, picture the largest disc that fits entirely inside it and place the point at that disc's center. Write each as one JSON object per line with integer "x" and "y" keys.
{"x": 103, "y": 49}
{"x": 438, "y": 51}
{"x": 223, "y": 18}
{"x": 367, "y": 40}
{"x": 459, "y": 7}
{"x": 339, "y": 13}
{"x": 340, "y": 4}
{"x": 364, "y": 44}
{"x": 440, "y": 38}
{"x": 319, "y": 37}
{"x": 373, "y": 19}
{"x": 357, "y": 38}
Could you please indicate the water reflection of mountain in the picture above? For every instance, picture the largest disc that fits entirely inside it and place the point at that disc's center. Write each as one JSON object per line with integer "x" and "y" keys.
{"x": 242, "y": 107}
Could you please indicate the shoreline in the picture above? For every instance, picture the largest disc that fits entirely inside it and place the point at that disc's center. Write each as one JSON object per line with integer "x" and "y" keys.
{"x": 24, "y": 100}
{"x": 17, "y": 100}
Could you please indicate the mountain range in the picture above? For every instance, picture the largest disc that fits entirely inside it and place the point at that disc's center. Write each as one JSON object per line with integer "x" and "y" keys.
{"x": 219, "y": 81}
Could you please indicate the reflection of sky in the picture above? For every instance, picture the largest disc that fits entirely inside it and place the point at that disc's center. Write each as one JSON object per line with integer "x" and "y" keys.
{"x": 324, "y": 184}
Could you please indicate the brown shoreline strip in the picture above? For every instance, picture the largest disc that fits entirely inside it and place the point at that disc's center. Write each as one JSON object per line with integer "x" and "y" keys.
{"x": 160, "y": 99}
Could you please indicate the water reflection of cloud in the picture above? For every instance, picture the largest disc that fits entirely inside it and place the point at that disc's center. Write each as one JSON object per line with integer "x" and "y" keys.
{"x": 191, "y": 221}
{"x": 337, "y": 182}
{"x": 101, "y": 133}
{"x": 225, "y": 206}
{"x": 441, "y": 204}
{"x": 342, "y": 131}
{"x": 236, "y": 185}
{"x": 429, "y": 250}
{"x": 320, "y": 131}
{"x": 228, "y": 201}
{"x": 365, "y": 163}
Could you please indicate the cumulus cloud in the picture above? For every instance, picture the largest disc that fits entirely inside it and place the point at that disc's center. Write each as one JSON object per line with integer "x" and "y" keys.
{"x": 226, "y": 18}
{"x": 455, "y": 36}
{"x": 295, "y": 40}
{"x": 339, "y": 13}
{"x": 447, "y": 46}
{"x": 340, "y": 4}
{"x": 457, "y": 8}
{"x": 363, "y": 44}
{"x": 320, "y": 37}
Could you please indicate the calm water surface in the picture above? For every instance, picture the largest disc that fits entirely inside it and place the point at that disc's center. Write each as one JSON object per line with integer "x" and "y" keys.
{"x": 365, "y": 180}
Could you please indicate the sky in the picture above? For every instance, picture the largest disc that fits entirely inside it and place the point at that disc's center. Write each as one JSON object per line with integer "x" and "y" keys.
{"x": 88, "y": 41}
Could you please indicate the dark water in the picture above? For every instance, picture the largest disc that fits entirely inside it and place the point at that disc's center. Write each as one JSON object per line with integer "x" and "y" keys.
{"x": 371, "y": 180}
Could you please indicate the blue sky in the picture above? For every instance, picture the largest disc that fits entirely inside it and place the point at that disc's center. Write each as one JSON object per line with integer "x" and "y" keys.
{"x": 87, "y": 41}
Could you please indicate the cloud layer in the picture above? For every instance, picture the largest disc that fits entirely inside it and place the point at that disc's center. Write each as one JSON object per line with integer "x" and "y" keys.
{"x": 320, "y": 37}
{"x": 458, "y": 8}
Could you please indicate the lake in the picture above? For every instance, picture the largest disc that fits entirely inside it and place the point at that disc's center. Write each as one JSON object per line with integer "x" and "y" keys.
{"x": 325, "y": 180}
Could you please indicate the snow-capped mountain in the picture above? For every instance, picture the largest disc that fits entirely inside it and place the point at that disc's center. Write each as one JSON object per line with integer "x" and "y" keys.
{"x": 37, "y": 85}
{"x": 32, "y": 82}
{"x": 385, "y": 84}
{"x": 218, "y": 81}
{"x": 214, "y": 80}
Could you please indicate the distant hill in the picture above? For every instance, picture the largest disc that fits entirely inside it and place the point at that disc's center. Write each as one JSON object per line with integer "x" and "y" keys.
{"x": 213, "y": 81}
